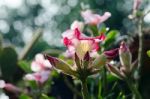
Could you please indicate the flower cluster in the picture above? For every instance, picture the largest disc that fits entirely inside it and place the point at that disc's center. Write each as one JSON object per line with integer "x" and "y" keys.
{"x": 74, "y": 38}
{"x": 83, "y": 49}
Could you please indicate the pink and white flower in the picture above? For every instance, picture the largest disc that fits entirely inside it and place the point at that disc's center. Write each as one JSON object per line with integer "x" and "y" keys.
{"x": 74, "y": 40}
{"x": 40, "y": 63}
{"x": 94, "y": 19}
{"x": 40, "y": 77}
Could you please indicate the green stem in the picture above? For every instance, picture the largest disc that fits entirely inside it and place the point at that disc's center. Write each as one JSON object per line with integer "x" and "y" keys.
{"x": 141, "y": 45}
{"x": 85, "y": 93}
{"x": 134, "y": 90}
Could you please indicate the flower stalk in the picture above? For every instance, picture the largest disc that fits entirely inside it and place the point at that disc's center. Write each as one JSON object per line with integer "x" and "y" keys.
{"x": 141, "y": 45}
{"x": 84, "y": 89}
{"x": 134, "y": 90}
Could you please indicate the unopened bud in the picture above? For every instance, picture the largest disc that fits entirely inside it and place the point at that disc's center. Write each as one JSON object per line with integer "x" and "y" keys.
{"x": 125, "y": 55}
{"x": 111, "y": 54}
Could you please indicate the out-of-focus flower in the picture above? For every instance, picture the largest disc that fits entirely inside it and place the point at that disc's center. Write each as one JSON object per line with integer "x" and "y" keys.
{"x": 94, "y": 19}
{"x": 9, "y": 87}
{"x": 40, "y": 63}
{"x": 40, "y": 77}
{"x": 75, "y": 41}
{"x": 136, "y": 4}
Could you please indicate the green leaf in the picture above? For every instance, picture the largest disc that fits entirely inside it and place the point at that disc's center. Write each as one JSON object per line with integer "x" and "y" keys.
{"x": 102, "y": 29}
{"x": 111, "y": 78}
{"x": 25, "y": 66}
{"x": 148, "y": 53}
{"x": 8, "y": 63}
{"x": 94, "y": 30}
{"x": 110, "y": 38}
{"x": 24, "y": 96}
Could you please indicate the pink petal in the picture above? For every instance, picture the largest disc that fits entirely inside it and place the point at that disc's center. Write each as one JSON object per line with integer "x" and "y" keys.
{"x": 67, "y": 41}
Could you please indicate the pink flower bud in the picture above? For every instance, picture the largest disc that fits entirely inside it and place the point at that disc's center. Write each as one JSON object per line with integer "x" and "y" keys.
{"x": 12, "y": 88}
{"x": 136, "y": 4}
{"x": 111, "y": 54}
{"x": 51, "y": 59}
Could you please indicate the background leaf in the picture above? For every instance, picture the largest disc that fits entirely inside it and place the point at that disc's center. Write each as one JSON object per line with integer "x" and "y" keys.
{"x": 8, "y": 62}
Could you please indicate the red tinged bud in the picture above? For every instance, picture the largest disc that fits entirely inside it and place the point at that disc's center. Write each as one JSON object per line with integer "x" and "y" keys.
{"x": 111, "y": 54}
{"x": 51, "y": 59}
{"x": 61, "y": 65}
{"x": 123, "y": 47}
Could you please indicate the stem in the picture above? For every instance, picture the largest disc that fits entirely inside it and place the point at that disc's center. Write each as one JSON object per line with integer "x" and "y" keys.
{"x": 85, "y": 93}
{"x": 134, "y": 90}
{"x": 141, "y": 45}
{"x": 100, "y": 89}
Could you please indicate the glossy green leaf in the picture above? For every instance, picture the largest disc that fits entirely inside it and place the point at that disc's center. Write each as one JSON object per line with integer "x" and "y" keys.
{"x": 110, "y": 38}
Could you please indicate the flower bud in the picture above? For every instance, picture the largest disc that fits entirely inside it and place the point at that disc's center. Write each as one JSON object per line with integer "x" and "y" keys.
{"x": 61, "y": 65}
{"x": 111, "y": 53}
{"x": 125, "y": 56}
{"x": 12, "y": 88}
{"x": 115, "y": 71}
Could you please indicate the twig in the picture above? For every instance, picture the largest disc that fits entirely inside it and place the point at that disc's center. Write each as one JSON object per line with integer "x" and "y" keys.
{"x": 29, "y": 45}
